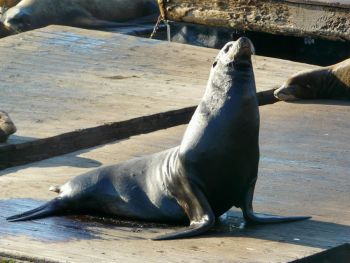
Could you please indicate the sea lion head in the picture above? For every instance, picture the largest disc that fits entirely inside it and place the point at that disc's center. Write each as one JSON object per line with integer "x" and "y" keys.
{"x": 231, "y": 67}
{"x": 7, "y": 127}
{"x": 299, "y": 86}
{"x": 16, "y": 20}
{"x": 236, "y": 53}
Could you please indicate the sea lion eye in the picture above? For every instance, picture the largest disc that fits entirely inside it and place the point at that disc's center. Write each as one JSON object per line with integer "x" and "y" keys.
{"x": 227, "y": 48}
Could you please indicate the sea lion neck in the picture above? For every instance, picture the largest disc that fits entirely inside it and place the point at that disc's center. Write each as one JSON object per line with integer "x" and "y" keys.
{"x": 228, "y": 104}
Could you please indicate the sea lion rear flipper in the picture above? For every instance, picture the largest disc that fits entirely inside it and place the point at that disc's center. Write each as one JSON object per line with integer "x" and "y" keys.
{"x": 252, "y": 218}
{"x": 50, "y": 208}
{"x": 199, "y": 212}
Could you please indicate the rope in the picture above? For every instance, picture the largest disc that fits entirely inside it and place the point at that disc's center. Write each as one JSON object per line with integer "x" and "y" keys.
{"x": 156, "y": 27}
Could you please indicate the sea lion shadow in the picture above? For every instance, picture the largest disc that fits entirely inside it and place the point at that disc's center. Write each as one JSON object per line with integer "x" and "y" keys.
{"x": 17, "y": 139}
{"x": 331, "y": 102}
{"x": 73, "y": 227}
{"x": 310, "y": 233}
{"x": 70, "y": 159}
{"x": 53, "y": 229}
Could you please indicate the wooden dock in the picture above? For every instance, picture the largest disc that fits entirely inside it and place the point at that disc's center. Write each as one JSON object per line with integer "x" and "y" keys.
{"x": 68, "y": 88}
{"x": 325, "y": 19}
{"x": 59, "y": 80}
{"x": 304, "y": 170}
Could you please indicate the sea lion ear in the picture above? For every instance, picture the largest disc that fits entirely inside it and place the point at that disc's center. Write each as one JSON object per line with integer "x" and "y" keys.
{"x": 215, "y": 63}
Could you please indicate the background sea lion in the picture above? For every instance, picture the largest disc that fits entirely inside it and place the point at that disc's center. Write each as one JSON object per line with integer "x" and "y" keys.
{"x": 7, "y": 127}
{"x": 6, "y": 4}
{"x": 214, "y": 168}
{"x": 31, "y": 14}
{"x": 332, "y": 82}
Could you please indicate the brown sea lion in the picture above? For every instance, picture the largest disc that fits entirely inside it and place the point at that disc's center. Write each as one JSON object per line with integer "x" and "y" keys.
{"x": 7, "y": 127}
{"x": 214, "y": 168}
{"x": 31, "y": 14}
{"x": 6, "y": 4}
{"x": 332, "y": 82}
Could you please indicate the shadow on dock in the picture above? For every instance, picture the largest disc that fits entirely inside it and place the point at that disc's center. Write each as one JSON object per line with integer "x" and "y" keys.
{"x": 309, "y": 233}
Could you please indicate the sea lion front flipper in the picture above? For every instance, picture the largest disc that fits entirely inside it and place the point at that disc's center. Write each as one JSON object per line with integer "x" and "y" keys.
{"x": 252, "y": 218}
{"x": 199, "y": 212}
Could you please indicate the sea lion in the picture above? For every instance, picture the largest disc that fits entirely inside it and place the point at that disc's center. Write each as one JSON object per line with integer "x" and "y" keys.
{"x": 6, "y": 4}
{"x": 214, "y": 168}
{"x": 31, "y": 14}
{"x": 7, "y": 127}
{"x": 332, "y": 82}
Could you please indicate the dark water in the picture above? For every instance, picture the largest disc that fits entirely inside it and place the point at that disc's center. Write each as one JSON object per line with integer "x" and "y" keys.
{"x": 307, "y": 50}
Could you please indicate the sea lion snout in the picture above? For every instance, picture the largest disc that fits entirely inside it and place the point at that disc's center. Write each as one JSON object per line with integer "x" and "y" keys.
{"x": 244, "y": 42}
{"x": 285, "y": 93}
{"x": 239, "y": 50}
{"x": 7, "y": 127}
{"x": 16, "y": 20}
{"x": 245, "y": 46}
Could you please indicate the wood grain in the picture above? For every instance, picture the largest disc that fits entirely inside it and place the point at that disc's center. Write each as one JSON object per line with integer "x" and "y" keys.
{"x": 318, "y": 19}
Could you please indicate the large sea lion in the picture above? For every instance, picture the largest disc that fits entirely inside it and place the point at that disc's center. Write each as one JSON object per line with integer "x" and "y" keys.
{"x": 31, "y": 14}
{"x": 332, "y": 82}
{"x": 7, "y": 127}
{"x": 214, "y": 168}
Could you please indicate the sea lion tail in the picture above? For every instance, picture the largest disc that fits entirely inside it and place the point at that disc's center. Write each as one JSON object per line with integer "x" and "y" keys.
{"x": 252, "y": 218}
{"x": 53, "y": 207}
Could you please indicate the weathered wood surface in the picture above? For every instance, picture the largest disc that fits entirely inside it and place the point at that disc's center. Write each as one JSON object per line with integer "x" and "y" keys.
{"x": 40, "y": 149}
{"x": 337, "y": 3}
{"x": 304, "y": 170}
{"x": 59, "y": 81}
{"x": 302, "y": 18}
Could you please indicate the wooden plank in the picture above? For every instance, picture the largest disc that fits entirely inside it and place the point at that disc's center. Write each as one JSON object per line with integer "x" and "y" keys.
{"x": 59, "y": 83}
{"x": 337, "y": 3}
{"x": 318, "y": 19}
{"x": 68, "y": 78}
{"x": 304, "y": 170}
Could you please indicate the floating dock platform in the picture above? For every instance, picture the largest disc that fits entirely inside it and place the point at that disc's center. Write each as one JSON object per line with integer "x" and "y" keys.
{"x": 60, "y": 84}
{"x": 325, "y": 19}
